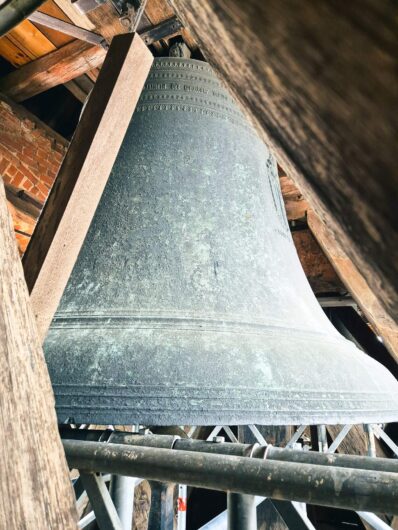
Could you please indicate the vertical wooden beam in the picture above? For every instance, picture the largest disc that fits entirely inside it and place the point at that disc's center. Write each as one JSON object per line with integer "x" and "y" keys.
{"x": 35, "y": 491}
{"x": 318, "y": 79}
{"x": 72, "y": 202}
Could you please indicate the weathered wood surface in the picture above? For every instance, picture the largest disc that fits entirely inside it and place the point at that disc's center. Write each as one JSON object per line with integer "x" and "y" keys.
{"x": 35, "y": 491}
{"x": 75, "y": 15}
{"x": 295, "y": 204}
{"x": 60, "y": 66}
{"x": 72, "y": 202}
{"x": 368, "y": 300}
{"x": 318, "y": 80}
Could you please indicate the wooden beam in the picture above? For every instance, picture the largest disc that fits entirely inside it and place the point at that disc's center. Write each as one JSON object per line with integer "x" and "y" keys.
{"x": 295, "y": 204}
{"x": 368, "y": 301}
{"x": 298, "y": 208}
{"x": 75, "y": 15}
{"x": 106, "y": 21}
{"x": 158, "y": 11}
{"x": 60, "y": 66}
{"x": 35, "y": 490}
{"x": 72, "y": 202}
{"x": 319, "y": 83}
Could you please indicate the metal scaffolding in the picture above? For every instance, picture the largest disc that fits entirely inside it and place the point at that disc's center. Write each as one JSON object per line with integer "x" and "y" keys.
{"x": 249, "y": 473}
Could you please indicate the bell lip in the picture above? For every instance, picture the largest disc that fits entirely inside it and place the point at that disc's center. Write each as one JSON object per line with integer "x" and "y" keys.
{"x": 161, "y": 419}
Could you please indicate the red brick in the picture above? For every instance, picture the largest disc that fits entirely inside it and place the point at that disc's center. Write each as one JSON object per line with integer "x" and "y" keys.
{"x": 54, "y": 168}
{"x": 47, "y": 180}
{"x": 43, "y": 141}
{"x": 42, "y": 196}
{"x": 16, "y": 181}
{"x": 11, "y": 170}
{"x": 26, "y": 184}
{"x": 10, "y": 144}
{"x": 57, "y": 157}
{"x": 29, "y": 151}
{"x": 31, "y": 162}
{"x": 27, "y": 173}
{"x": 43, "y": 188}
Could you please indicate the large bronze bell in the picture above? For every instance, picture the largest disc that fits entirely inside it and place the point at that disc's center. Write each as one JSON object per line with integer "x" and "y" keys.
{"x": 188, "y": 304}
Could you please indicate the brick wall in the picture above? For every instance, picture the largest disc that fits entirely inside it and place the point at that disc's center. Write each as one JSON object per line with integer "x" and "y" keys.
{"x": 30, "y": 152}
{"x": 30, "y": 156}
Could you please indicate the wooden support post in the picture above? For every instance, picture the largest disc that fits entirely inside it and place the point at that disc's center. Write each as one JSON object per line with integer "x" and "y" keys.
{"x": 318, "y": 79}
{"x": 35, "y": 491}
{"x": 70, "y": 207}
{"x": 60, "y": 66}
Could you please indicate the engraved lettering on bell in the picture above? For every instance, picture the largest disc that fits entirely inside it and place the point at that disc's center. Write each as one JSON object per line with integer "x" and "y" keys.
{"x": 186, "y": 306}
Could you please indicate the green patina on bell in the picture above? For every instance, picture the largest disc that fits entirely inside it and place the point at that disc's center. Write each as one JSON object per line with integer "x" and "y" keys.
{"x": 188, "y": 304}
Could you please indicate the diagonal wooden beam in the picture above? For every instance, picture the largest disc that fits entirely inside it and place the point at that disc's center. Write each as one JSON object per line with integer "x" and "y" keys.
{"x": 323, "y": 95}
{"x": 72, "y": 202}
{"x": 36, "y": 490}
{"x": 298, "y": 208}
{"x": 368, "y": 301}
{"x": 62, "y": 65}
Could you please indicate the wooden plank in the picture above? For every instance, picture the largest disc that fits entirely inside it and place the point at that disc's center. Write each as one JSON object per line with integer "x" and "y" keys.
{"x": 30, "y": 40}
{"x": 322, "y": 95}
{"x": 295, "y": 204}
{"x": 106, "y": 21}
{"x": 367, "y": 300}
{"x": 12, "y": 53}
{"x": 24, "y": 43}
{"x": 74, "y": 14}
{"x": 36, "y": 490}
{"x": 56, "y": 37}
{"x": 72, "y": 202}
{"x": 60, "y": 66}
{"x": 80, "y": 87}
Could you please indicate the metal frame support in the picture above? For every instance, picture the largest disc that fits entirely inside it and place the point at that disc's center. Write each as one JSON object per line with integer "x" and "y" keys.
{"x": 296, "y": 436}
{"x": 322, "y": 439}
{"x": 182, "y": 507}
{"x": 122, "y": 494}
{"x": 371, "y": 440}
{"x": 339, "y": 438}
{"x": 355, "y": 489}
{"x": 235, "y": 449}
{"x": 373, "y": 521}
{"x": 100, "y": 499}
{"x": 384, "y": 436}
{"x": 242, "y": 514}
{"x": 161, "y": 514}
{"x": 257, "y": 435}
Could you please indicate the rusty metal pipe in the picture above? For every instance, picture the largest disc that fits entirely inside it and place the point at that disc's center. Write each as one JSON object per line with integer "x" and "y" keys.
{"x": 353, "y": 489}
{"x": 162, "y": 441}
